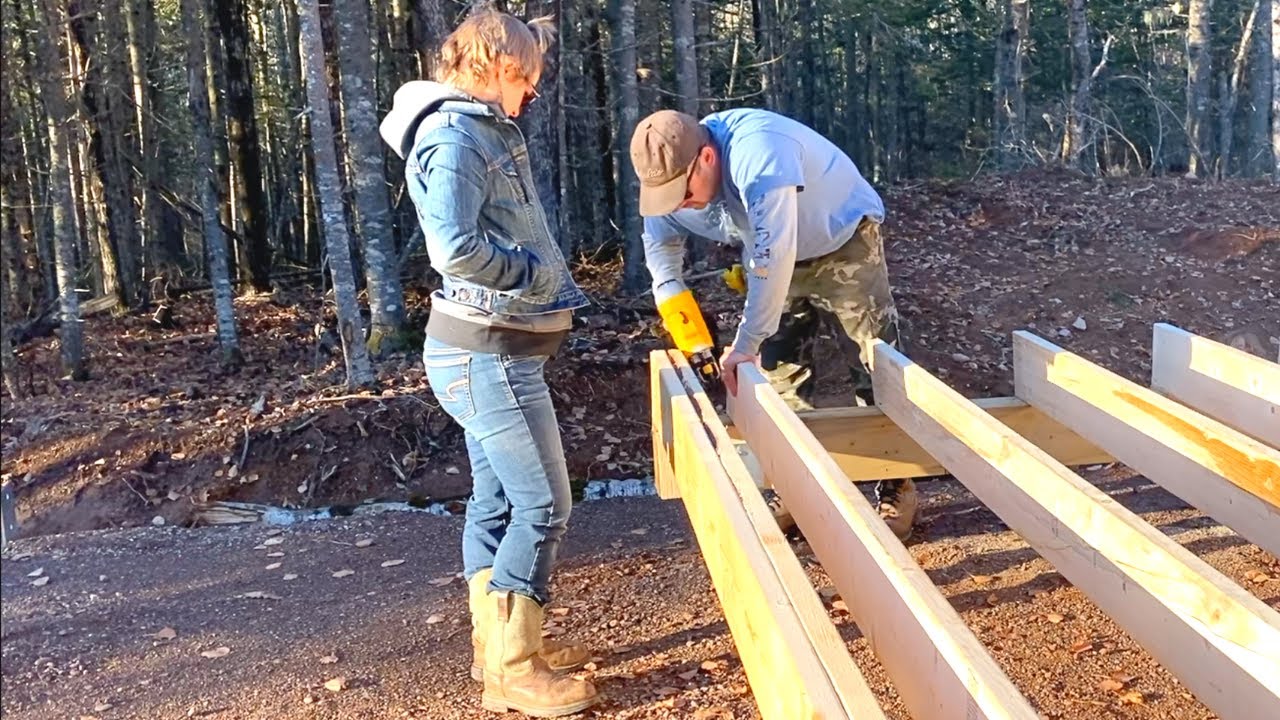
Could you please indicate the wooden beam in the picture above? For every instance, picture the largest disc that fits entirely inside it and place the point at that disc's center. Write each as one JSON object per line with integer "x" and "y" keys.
{"x": 867, "y": 445}
{"x": 664, "y": 480}
{"x": 795, "y": 661}
{"x": 1230, "y": 385}
{"x": 1221, "y": 642}
{"x": 1223, "y": 472}
{"x": 938, "y": 666}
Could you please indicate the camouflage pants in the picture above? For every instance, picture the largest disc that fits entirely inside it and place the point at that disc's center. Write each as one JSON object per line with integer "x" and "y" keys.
{"x": 845, "y": 293}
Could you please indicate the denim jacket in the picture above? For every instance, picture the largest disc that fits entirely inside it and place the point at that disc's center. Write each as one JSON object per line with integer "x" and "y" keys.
{"x": 467, "y": 172}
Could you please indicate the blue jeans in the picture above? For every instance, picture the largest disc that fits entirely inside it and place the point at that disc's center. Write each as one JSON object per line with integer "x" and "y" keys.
{"x": 520, "y": 498}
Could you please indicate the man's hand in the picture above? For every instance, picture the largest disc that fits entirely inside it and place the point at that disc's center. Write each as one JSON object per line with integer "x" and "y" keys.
{"x": 729, "y": 363}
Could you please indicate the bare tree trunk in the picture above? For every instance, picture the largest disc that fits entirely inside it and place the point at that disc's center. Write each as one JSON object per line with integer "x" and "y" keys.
{"x": 539, "y": 123}
{"x": 139, "y": 19}
{"x": 1260, "y": 74}
{"x": 1199, "y": 78}
{"x": 1229, "y": 94}
{"x": 207, "y": 180}
{"x": 54, "y": 94}
{"x": 99, "y": 43}
{"x": 805, "y": 80}
{"x": 1080, "y": 121}
{"x": 686, "y": 56}
{"x": 1010, "y": 99}
{"x": 382, "y": 270}
{"x": 430, "y": 28}
{"x": 604, "y": 124}
{"x": 329, "y": 195}
{"x": 242, "y": 135}
{"x": 624, "y": 57}
{"x": 765, "y": 25}
{"x": 1275, "y": 91}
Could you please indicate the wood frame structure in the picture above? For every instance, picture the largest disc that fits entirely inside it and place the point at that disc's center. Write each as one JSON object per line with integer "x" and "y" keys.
{"x": 1220, "y": 641}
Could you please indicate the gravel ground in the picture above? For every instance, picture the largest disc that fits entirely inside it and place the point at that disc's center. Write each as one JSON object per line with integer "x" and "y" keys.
{"x": 90, "y": 641}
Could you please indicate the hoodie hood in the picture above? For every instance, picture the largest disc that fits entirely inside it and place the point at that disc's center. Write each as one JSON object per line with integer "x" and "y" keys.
{"x": 413, "y": 102}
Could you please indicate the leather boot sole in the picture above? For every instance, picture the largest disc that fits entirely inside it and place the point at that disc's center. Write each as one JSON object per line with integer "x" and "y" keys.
{"x": 502, "y": 705}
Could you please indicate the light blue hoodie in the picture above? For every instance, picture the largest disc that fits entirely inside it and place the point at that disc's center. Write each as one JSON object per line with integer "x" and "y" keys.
{"x": 787, "y": 194}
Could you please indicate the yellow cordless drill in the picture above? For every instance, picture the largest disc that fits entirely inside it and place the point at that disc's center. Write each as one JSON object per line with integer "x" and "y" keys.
{"x": 683, "y": 319}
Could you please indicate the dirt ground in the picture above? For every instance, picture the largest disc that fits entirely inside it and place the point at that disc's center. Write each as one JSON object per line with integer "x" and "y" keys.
{"x": 159, "y": 430}
{"x": 91, "y": 642}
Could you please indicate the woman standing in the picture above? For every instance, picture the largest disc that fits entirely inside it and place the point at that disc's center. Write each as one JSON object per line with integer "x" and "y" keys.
{"x": 505, "y": 306}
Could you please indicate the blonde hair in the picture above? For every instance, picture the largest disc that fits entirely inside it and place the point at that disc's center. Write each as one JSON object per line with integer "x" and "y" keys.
{"x": 471, "y": 51}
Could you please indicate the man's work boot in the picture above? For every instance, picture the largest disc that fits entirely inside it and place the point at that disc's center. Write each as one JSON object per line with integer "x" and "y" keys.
{"x": 896, "y": 500}
{"x": 515, "y": 675}
{"x": 559, "y": 656}
{"x": 781, "y": 514}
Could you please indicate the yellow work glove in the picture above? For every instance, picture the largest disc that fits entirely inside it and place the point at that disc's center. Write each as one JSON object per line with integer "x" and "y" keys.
{"x": 736, "y": 278}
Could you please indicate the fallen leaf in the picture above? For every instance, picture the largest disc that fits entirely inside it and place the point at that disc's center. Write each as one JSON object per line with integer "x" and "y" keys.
{"x": 840, "y": 606}
{"x": 36, "y": 573}
{"x": 40, "y": 582}
{"x": 590, "y": 667}
{"x": 273, "y": 541}
{"x": 166, "y": 633}
{"x": 260, "y": 595}
{"x": 344, "y": 573}
{"x": 983, "y": 579}
{"x": 1082, "y": 646}
{"x": 337, "y": 684}
{"x": 993, "y": 599}
{"x": 640, "y": 531}
{"x": 364, "y": 543}
{"x": 1110, "y": 685}
{"x": 687, "y": 675}
{"x": 434, "y": 619}
{"x": 710, "y": 665}
{"x": 392, "y": 563}
{"x": 328, "y": 659}
{"x": 451, "y": 470}
{"x": 217, "y": 652}
{"x": 102, "y": 706}
{"x": 442, "y": 581}
{"x": 1054, "y": 618}
{"x": 273, "y": 566}
{"x": 275, "y": 554}
{"x": 1133, "y": 697}
{"x": 290, "y": 576}
{"x": 560, "y": 611}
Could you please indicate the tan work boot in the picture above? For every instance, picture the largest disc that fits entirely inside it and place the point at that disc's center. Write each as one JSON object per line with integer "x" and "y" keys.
{"x": 515, "y": 676}
{"x": 558, "y": 655}
{"x": 897, "y": 503}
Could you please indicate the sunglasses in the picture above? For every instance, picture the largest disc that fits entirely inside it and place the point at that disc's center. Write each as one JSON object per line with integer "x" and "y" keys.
{"x": 530, "y": 95}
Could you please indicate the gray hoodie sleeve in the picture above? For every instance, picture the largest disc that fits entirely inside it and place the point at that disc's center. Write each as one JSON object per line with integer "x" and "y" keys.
{"x": 664, "y": 255}
{"x": 770, "y": 264}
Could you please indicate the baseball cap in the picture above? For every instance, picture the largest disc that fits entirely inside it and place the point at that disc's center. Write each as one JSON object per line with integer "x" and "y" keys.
{"x": 663, "y": 148}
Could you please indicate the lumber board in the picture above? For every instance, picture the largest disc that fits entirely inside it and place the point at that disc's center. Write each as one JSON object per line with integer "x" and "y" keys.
{"x": 1223, "y": 472}
{"x": 826, "y": 640}
{"x": 938, "y": 666}
{"x": 1230, "y": 385}
{"x": 1222, "y": 643}
{"x": 664, "y": 480}
{"x": 789, "y": 673}
{"x": 867, "y": 445}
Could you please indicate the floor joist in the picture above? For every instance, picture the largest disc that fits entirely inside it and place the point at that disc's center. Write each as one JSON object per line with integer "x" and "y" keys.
{"x": 1221, "y": 642}
{"x": 867, "y": 445}
{"x": 796, "y": 663}
{"x": 1226, "y": 474}
{"x": 938, "y": 666}
{"x": 1230, "y": 385}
